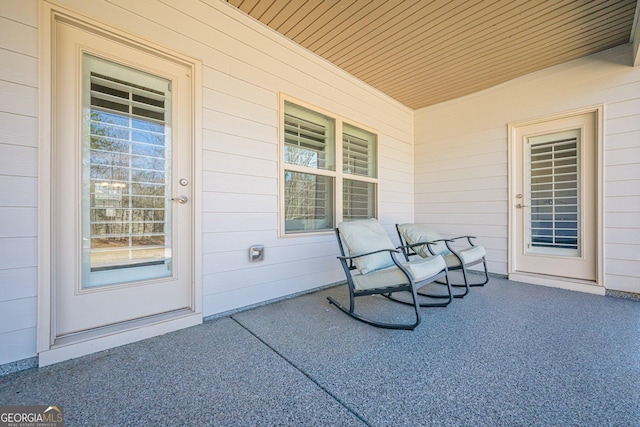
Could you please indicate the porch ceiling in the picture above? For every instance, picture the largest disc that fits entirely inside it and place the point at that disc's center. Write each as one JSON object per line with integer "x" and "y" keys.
{"x": 423, "y": 52}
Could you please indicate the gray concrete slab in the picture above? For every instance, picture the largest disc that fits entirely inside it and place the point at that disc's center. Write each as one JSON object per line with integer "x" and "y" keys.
{"x": 508, "y": 354}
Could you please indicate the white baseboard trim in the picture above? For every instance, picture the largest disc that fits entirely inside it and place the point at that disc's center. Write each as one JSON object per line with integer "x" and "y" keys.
{"x": 95, "y": 341}
{"x": 559, "y": 282}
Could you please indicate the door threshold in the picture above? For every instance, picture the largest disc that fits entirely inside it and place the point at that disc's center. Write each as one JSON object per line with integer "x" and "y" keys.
{"x": 567, "y": 283}
{"x": 106, "y": 337}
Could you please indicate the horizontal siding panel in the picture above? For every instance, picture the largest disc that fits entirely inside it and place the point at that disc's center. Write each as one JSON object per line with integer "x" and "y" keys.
{"x": 18, "y": 68}
{"x": 619, "y": 267}
{"x": 232, "y": 144}
{"x": 18, "y": 130}
{"x": 22, "y": 11}
{"x": 228, "y": 84}
{"x": 18, "y": 191}
{"x": 238, "y": 298}
{"x": 621, "y": 219}
{"x": 237, "y": 183}
{"x": 466, "y": 206}
{"x": 621, "y": 283}
{"x": 629, "y": 123}
{"x": 18, "y": 37}
{"x": 623, "y": 157}
{"x": 18, "y": 99}
{"x": 18, "y": 252}
{"x": 626, "y": 108}
{"x": 623, "y": 231}
{"x": 227, "y": 202}
{"x": 220, "y": 122}
{"x": 18, "y": 222}
{"x": 623, "y": 188}
{"x": 622, "y": 172}
{"x": 232, "y": 164}
{"x": 623, "y": 140}
{"x": 253, "y": 221}
{"x": 18, "y": 161}
{"x": 624, "y": 252}
{"x": 234, "y": 106}
{"x": 311, "y": 258}
{"x": 18, "y": 314}
{"x": 622, "y": 204}
{"x": 17, "y": 345}
{"x": 18, "y": 283}
{"x": 223, "y": 241}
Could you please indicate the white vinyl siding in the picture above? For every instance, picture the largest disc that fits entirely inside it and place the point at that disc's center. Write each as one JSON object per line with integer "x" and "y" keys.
{"x": 462, "y": 176}
{"x": 245, "y": 67}
{"x": 18, "y": 180}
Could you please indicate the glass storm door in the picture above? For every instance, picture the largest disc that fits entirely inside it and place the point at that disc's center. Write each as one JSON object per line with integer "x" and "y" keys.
{"x": 122, "y": 204}
{"x": 555, "y": 200}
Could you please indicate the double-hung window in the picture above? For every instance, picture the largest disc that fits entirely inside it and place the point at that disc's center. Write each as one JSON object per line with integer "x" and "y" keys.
{"x": 329, "y": 168}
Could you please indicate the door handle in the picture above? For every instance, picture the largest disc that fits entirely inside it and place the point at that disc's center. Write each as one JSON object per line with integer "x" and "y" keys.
{"x": 520, "y": 206}
{"x": 180, "y": 199}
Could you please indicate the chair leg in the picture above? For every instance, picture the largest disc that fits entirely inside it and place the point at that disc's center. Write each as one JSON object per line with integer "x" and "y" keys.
{"x": 486, "y": 275}
{"x": 402, "y": 326}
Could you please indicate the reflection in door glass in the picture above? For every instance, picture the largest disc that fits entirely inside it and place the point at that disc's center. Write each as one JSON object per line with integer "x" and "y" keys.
{"x": 126, "y": 168}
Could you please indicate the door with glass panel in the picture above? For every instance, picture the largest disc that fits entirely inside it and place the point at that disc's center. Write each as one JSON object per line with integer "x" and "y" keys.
{"x": 555, "y": 198}
{"x": 122, "y": 202}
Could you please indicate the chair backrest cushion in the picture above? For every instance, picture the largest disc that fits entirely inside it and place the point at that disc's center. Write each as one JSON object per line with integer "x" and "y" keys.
{"x": 416, "y": 233}
{"x": 363, "y": 236}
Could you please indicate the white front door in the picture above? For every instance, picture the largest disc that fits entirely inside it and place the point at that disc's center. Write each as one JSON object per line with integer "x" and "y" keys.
{"x": 554, "y": 200}
{"x": 122, "y": 191}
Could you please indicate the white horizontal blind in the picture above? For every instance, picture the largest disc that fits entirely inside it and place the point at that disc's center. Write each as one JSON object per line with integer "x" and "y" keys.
{"x": 306, "y": 142}
{"x": 128, "y": 168}
{"x": 356, "y": 155}
{"x": 554, "y": 190}
{"x": 358, "y": 200}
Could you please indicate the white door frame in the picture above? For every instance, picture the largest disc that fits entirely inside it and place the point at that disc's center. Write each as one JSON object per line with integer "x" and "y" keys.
{"x": 596, "y": 287}
{"x": 50, "y": 13}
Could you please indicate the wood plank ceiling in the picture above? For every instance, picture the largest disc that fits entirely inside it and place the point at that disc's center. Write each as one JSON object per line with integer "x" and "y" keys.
{"x": 423, "y": 52}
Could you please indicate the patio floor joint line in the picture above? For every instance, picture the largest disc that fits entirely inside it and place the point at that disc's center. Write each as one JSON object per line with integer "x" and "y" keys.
{"x": 296, "y": 367}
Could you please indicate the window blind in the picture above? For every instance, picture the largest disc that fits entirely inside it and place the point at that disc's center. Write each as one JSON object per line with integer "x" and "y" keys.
{"x": 554, "y": 219}
{"x": 128, "y": 168}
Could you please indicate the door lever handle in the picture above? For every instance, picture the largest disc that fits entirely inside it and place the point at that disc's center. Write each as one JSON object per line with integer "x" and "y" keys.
{"x": 520, "y": 206}
{"x": 180, "y": 199}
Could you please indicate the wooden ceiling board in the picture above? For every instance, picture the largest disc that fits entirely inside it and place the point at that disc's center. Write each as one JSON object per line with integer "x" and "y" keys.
{"x": 424, "y": 52}
{"x": 485, "y": 38}
{"x": 527, "y": 42}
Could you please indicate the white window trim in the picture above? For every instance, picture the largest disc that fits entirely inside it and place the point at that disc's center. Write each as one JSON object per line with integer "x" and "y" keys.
{"x": 338, "y": 175}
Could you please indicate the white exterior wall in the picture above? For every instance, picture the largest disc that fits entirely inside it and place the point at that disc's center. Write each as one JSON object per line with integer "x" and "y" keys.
{"x": 18, "y": 179}
{"x": 461, "y": 161}
{"x": 245, "y": 67}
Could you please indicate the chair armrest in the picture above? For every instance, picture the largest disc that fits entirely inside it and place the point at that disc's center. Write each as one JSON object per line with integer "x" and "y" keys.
{"x": 348, "y": 258}
{"x": 453, "y": 239}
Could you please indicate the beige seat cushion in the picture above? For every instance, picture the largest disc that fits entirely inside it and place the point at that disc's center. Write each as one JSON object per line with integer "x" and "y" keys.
{"x": 420, "y": 269}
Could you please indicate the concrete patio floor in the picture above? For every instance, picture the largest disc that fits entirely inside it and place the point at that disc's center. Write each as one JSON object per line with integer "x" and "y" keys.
{"x": 508, "y": 354}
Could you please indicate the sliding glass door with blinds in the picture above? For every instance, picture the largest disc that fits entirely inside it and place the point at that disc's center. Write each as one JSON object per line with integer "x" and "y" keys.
{"x": 122, "y": 188}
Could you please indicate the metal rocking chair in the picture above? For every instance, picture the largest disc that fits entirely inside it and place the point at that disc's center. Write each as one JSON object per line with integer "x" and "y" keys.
{"x": 419, "y": 239}
{"x": 372, "y": 268}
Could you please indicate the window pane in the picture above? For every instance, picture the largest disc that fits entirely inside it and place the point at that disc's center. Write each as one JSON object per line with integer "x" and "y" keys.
{"x": 359, "y": 200}
{"x": 127, "y": 146}
{"x": 359, "y": 152}
{"x": 308, "y": 202}
{"x": 308, "y": 138}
